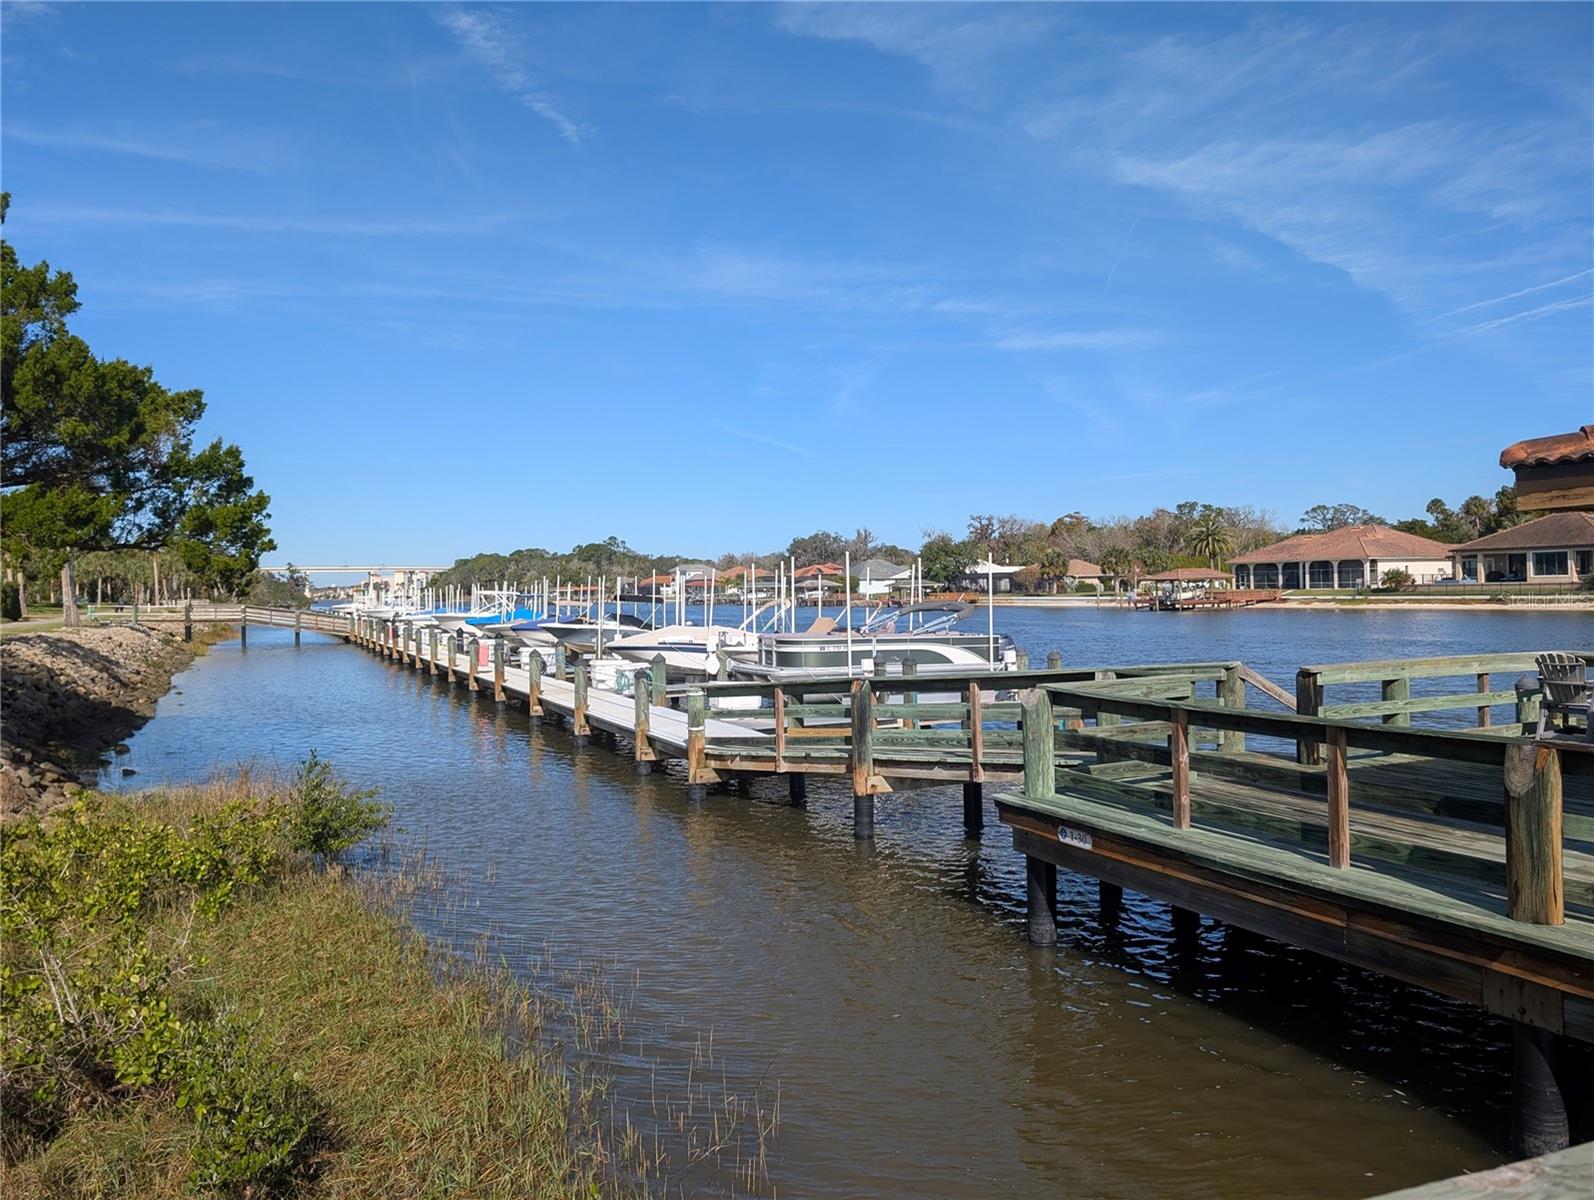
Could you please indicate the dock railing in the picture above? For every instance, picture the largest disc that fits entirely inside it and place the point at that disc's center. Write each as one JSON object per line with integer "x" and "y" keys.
{"x": 1165, "y": 731}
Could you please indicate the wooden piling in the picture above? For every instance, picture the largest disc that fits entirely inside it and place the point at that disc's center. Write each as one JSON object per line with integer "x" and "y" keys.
{"x": 431, "y": 651}
{"x": 1054, "y": 660}
{"x": 243, "y": 627}
{"x": 188, "y": 620}
{"x": 1396, "y": 690}
{"x": 1179, "y": 756}
{"x": 534, "y": 685}
{"x": 796, "y": 789}
{"x": 298, "y": 621}
{"x": 448, "y": 669}
{"x": 1539, "y": 1122}
{"x": 1308, "y": 703}
{"x": 498, "y": 671}
{"x": 1533, "y": 872}
{"x": 696, "y": 741}
{"x": 1231, "y": 694}
{"x": 1485, "y": 713}
{"x": 1110, "y": 902}
{"x": 578, "y": 710}
{"x": 1040, "y": 901}
{"x": 1021, "y": 659}
{"x": 975, "y": 724}
{"x": 1338, "y": 772}
{"x": 973, "y": 808}
{"x": 641, "y": 696}
{"x": 560, "y": 662}
{"x": 1040, "y": 745}
{"x": 658, "y": 681}
{"x": 861, "y": 759}
{"x": 472, "y": 653}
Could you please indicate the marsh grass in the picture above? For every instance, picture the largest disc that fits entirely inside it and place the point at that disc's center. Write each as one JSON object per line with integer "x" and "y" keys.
{"x": 435, "y": 1067}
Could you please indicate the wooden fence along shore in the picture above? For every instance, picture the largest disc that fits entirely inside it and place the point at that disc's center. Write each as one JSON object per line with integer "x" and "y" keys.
{"x": 1459, "y": 859}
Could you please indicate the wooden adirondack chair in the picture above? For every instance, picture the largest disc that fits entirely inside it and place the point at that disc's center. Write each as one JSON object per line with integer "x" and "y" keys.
{"x": 1564, "y": 678}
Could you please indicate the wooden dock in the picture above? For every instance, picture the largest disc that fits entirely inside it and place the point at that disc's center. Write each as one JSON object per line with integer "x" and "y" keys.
{"x": 1217, "y": 598}
{"x": 1459, "y": 859}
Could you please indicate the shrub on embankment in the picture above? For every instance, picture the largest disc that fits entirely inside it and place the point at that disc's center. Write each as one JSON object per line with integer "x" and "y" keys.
{"x": 197, "y": 999}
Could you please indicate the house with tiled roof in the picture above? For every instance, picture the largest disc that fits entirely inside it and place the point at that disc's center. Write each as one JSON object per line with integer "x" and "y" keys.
{"x": 1556, "y": 548}
{"x": 1553, "y": 473}
{"x": 1354, "y": 556}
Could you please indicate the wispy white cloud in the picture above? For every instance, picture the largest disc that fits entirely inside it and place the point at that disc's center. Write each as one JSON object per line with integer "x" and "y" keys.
{"x": 765, "y": 440}
{"x": 1518, "y": 294}
{"x": 1083, "y": 339}
{"x": 196, "y": 147}
{"x": 498, "y": 48}
{"x": 255, "y": 223}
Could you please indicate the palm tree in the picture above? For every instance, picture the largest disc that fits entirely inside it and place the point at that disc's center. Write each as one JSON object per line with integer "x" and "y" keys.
{"x": 1118, "y": 562}
{"x": 1210, "y": 537}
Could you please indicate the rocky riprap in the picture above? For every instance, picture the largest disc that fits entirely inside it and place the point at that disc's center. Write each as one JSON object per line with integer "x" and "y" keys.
{"x": 69, "y": 695}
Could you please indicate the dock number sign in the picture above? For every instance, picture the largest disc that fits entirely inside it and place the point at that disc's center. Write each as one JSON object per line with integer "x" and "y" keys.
{"x": 1073, "y": 837}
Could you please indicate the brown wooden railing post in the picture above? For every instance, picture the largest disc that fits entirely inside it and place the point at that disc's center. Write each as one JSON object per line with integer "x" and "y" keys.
{"x": 1179, "y": 756}
{"x": 1308, "y": 703}
{"x": 1485, "y": 713}
{"x": 1533, "y": 834}
{"x": 1040, "y": 745}
{"x": 1338, "y": 772}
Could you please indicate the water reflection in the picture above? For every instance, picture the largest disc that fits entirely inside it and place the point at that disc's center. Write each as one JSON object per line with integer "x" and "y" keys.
{"x": 919, "y": 1046}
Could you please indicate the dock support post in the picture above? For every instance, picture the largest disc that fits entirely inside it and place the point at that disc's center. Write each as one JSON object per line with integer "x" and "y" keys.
{"x": 1308, "y": 703}
{"x": 560, "y": 662}
{"x": 696, "y": 741}
{"x": 498, "y": 670}
{"x": 243, "y": 627}
{"x": 1040, "y": 745}
{"x": 642, "y": 696}
{"x": 658, "y": 681}
{"x": 1527, "y": 689}
{"x": 448, "y": 669}
{"x": 578, "y": 710}
{"x": 534, "y": 685}
{"x": 1111, "y": 902}
{"x": 1533, "y": 869}
{"x": 861, "y": 748}
{"x": 1054, "y": 660}
{"x": 1186, "y": 928}
{"x": 1040, "y": 900}
{"x": 797, "y": 789}
{"x": 188, "y": 620}
{"x": 1231, "y": 694}
{"x": 431, "y": 651}
{"x": 973, "y": 808}
{"x": 298, "y": 621}
{"x": 1021, "y": 659}
{"x": 1538, "y": 1106}
{"x": 1397, "y": 689}
{"x": 472, "y": 661}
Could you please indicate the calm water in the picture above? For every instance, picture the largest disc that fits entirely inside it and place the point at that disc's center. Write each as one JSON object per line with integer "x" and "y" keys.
{"x": 919, "y": 1046}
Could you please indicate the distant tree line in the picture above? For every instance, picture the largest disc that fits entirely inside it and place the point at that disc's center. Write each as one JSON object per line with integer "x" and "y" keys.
{"x": 99, "y": 471}
{"x": 1191, "y": 534}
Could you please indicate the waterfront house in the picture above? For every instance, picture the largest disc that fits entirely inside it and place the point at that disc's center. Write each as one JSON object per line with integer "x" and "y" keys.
{"x": 878, "y": 577}
{"x": 994, "y": 576}
{"x": 1553, "y": 473}
{"x": 1080, "y": 571}
{"x": 1555, "y": 548}
{"x": 1351, "y": 557}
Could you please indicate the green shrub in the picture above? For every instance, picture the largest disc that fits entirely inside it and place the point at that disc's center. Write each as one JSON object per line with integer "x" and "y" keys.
{"x": 257, "y": 1124}
{"x": 328, "y": 816}
{"x": 10, "y": 601}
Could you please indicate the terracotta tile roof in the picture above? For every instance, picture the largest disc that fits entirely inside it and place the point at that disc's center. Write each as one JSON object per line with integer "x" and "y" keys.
{"x": 1079, "y": 568}
{"x": 1558, "y": 531}
{"x": 1546, "y": 451}
{"x": 819, "y": 569}
{"x": 1187, "y": 575}
{"x": 1353, "y": 541}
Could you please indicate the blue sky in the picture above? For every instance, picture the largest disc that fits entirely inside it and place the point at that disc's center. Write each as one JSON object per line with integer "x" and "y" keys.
{"x": 474, "y": 277}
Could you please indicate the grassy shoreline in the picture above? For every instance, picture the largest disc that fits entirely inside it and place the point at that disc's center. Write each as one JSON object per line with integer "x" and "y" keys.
{"x": 376, "y": 1065}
